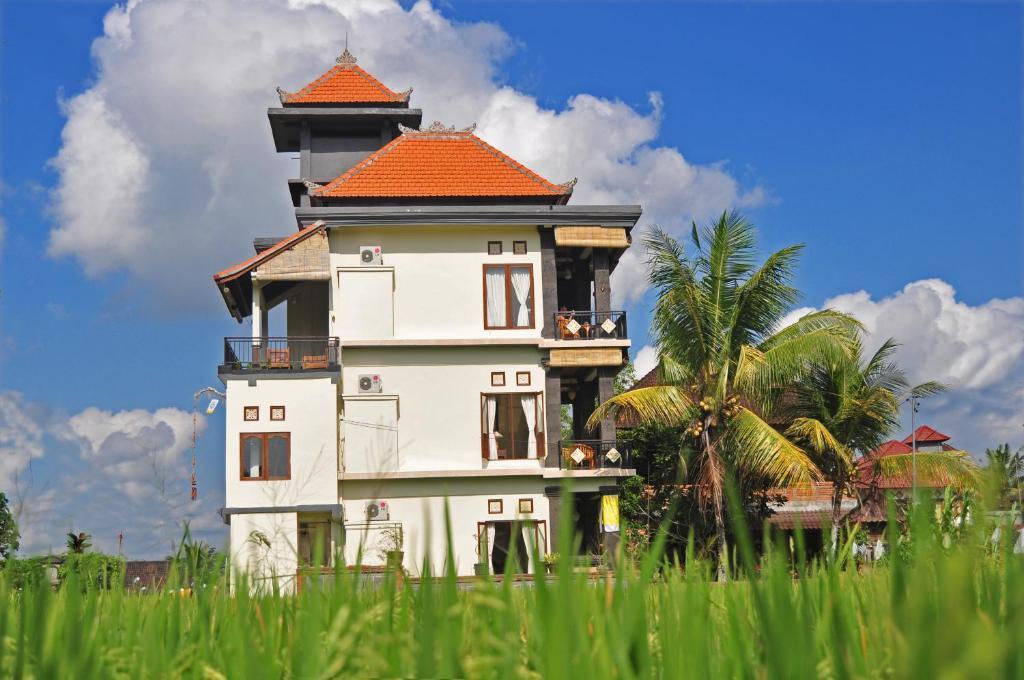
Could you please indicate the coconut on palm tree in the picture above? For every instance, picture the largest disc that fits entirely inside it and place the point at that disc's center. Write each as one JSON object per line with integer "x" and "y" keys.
{"x": 723, "y": 362}
{"x": 847, "y": 405}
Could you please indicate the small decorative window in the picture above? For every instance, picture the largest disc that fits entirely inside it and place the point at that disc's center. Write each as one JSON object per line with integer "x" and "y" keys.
{"x": 277, "y": 412}
{"x": 495, "y": 506}
{"x": 519, "y": 247}
{"x": 522, "y": 378}
{"x": 498, "y": 379}
{"x": 265, "y": 456}
{"x": 494, "y": 247}
{"x": 525, "y": 506}
{"x": 252, "y": 414}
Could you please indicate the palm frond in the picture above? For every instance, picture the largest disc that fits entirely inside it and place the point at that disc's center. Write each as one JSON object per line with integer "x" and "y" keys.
{"x": 764, "y": 297}
{"x": 818, "y": 438}
{"x": 948, "y": 468}
{"x": 663, "y": 405}
{"x": 927, "y": 389}
{"x": 761, "y": 449}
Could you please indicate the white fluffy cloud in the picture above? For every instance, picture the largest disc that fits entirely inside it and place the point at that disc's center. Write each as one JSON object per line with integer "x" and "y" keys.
{"x": 646, "y": 359}
{"x": 978, "y": 350}
{"x": 169, "y": 151}
{"x": 103, "y": 473}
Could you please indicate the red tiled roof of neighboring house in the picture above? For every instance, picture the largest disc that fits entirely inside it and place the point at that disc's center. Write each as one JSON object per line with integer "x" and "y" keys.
{"x": 806, "y": 519}
{"x": 345, "y": 83}
{"x": 813, "y": 491}
{"x": 891, "y": 447}
{"x": 441, "y": 162}
{"x": 866, "y": 465}
{"x": 146, "y": 573}
{"x": 926, "y": 434}
{"x": 246, "y": 266}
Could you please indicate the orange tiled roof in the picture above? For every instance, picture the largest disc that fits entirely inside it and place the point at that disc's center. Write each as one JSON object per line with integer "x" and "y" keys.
{"x": 926, "y": 434}
{"x": 345, "y": 83}
{"x": 441, "y": 162}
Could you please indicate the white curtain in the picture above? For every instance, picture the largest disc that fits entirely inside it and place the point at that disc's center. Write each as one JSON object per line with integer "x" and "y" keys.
{"x": 530, "y": 538}
{"x": 521, "y": 287}
{"x": 496, "y": 297}
{"x": 490, "y": 546}
{"x": 530, "y": 413}
{"x": 492, "y": 417}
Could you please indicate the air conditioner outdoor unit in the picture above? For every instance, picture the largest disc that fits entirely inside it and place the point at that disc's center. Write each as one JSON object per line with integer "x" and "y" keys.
{"x": 370, "y": 256}
{"x": 370, "y": 383}
{"x": 376, "y": 510}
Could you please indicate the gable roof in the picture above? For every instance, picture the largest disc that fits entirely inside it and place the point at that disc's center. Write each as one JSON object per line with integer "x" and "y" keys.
{"x": 926, "y": 434}
{"x": 246, "y": 266}
{"x": 345, "y": 83}
{"x": 441, "y": 162}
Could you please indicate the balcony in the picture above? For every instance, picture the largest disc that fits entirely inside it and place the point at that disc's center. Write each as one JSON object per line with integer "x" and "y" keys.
{"x": 593, "y": 454}
{"x": 588, "y": 325}
{"x": 294, "y": 354}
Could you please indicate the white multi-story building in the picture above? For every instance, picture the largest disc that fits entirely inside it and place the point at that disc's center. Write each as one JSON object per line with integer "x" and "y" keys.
{"x": 442, "y": 302}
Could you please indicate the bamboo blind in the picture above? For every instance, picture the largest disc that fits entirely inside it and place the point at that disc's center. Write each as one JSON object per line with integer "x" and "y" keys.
{"x": 572, "y": 358}
{"x": 308, "y": 260}
{"x": 593, "y": 237}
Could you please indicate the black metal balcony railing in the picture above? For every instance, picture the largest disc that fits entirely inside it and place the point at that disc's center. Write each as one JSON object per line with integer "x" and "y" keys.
{"x": 587, "y": 325}
{"x": 593, "y": 454}
{"x": 280, "y": 354}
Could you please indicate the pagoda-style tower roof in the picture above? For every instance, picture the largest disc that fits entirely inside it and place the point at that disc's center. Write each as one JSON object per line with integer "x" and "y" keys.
{"x": 345, "y": 84}
{"x": 441, "y": 163}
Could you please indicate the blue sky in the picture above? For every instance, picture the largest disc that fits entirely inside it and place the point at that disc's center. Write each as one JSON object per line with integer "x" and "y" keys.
{"x": 886, "y": 137}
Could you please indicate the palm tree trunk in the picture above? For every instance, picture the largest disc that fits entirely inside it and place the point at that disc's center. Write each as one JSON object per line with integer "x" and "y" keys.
{"x": 837, "y": 512}
{"x": 722, "y": 574}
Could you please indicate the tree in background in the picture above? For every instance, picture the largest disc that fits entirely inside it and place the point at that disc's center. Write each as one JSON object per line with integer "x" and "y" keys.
{"x": 9, "y": 535}
{"x": 1006, "y": 473}
{"x": 849, "y": 404}
{"x": 78, "y": 543}
{"x": 722, "y": 362}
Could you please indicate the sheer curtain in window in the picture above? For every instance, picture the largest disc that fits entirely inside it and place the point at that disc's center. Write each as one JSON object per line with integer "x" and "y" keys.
{"x": 495, "y": 281}
{"x": 529, "y": 402}
{"x": 492, "y": 416}
{"x": 521, "y": 288}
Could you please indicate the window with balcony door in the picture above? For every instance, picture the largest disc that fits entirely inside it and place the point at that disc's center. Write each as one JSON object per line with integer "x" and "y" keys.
{"x": 508, "y": 296}
{"x": 512, "y": 425}
{"x": 265, "y": 456}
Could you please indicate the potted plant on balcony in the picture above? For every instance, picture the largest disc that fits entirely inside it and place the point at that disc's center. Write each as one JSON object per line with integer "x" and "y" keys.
{"x": 550, "y": 561}
{"x": 480, "y": 569}
{"x": 391, "y": 540}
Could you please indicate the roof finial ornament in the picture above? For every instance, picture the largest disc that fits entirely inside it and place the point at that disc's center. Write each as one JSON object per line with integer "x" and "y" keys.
{"x": 568, "y": 186}
{"x": 346, "y": 59}
{"x": 283, "y": 95}
{"x": 311, "y": 185}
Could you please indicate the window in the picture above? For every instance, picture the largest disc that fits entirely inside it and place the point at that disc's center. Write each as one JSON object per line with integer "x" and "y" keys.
{"x": 512, "y": 426}
{"x": 494, "y": 247}
{"x": 519, "y": 247}
{"x": 252, "y": 413}
{"x": 277, "y": 412}
{"x": 525, "y": 506}
{"x": 497, "y": 379}
{"x": 314, "y": 543}
{"x": 266, "y": 456}
{"x": 522, "y": 378}
{"x": 508, "y": 296}
{"x": 495, "y": 506}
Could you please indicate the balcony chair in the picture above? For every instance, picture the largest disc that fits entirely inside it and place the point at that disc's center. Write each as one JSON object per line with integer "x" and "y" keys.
{"x": 279, "y": 358}
{"x": 563, "y": 328}
{"x": 314, "y": 361}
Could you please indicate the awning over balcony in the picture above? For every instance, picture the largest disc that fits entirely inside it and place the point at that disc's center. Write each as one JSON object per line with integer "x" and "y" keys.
{"x": 303, "y": 256}
{"x": 591, "y": 237}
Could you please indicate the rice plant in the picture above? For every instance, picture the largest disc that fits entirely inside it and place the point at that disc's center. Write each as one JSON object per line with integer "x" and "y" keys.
{"x": 932, "y": 610}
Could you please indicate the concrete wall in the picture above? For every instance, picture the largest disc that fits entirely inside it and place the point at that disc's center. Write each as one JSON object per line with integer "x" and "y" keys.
{"x": 311, "y": 418}
{"x": 264, "y": 564}
{"x": 419, "y": 507}
{"x": 438, "y": 279}
{"x": 435, "y": 405}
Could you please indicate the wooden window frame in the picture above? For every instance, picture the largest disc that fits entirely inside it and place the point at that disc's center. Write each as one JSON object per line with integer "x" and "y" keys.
{"x": 265, "y": 460}
{"x": 520, "y": 374}
{"x": 508, "y": 296}
{"x": 501, "y": 247}
{"x": 540, "y": 434}
{"x": 516, "y": 245}
{"x": 497, "y": 376}
{"x": 538, "y": 524}
{"x": 501, "y": 506}
{"x": 245, "y": 414}
{"x": 283, "y": 414}
{"x": 525, "y": 502}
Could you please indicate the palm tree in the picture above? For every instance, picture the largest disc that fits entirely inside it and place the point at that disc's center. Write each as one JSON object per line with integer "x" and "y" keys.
{"x": 1008, "y": 472}
{"x": 848, "y": 405}
{"x": 79, "y": 543}
{"x": 723, "y": 362}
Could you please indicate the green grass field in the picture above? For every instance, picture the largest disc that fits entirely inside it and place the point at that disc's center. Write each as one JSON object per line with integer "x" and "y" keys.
{"x": 937, "y": 612}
